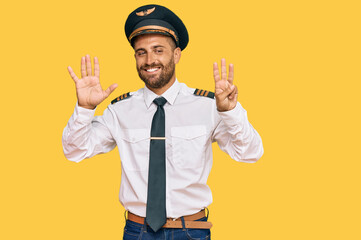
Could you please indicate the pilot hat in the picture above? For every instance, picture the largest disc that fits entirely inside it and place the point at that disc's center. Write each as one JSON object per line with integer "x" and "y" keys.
{"x": 156, "y": 19}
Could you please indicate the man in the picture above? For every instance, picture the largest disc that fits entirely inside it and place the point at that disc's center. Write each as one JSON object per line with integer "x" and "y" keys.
{"x": 163, "y": 131}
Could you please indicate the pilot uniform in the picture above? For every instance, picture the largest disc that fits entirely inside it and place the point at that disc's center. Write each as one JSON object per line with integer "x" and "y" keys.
{"x": 192, "y": 124}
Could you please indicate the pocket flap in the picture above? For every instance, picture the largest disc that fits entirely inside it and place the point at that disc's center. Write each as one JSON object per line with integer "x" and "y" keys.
{"x": 188, "y": 132}
{"x": 134, "y": 135}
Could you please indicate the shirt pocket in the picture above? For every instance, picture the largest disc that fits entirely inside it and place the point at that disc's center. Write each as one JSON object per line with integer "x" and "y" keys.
{"x": 134, "y": 149}
{"x": 188, "y": 144}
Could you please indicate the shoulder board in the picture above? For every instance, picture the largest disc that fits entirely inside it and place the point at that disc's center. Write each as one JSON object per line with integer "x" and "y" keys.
{"x": 121, "y": 97}
{"x": 204, "y": 93}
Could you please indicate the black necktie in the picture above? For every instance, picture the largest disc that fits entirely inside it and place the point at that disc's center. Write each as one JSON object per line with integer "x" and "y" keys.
{"x": 156, "y": 211}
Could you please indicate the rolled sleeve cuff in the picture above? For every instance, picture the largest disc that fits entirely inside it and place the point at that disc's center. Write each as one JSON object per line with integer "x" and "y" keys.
{"x": 83, "y": 115}
{"x": 236, "y": 116}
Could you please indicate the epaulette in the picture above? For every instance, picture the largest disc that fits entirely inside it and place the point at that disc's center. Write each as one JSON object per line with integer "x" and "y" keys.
{"x": 204, "y": 93}
{"x": 121, "y": 97}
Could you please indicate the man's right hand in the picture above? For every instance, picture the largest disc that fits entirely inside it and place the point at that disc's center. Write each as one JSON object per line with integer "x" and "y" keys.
{"x": 88, "y": 89}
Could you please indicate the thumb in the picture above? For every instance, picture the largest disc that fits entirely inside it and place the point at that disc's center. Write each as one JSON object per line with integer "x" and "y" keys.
{"x": 110, "y": 89}
{"x": 226, "y": 92}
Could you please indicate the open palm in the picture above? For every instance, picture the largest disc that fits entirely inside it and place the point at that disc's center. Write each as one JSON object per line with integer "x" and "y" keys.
{"x": 88, "y": 89}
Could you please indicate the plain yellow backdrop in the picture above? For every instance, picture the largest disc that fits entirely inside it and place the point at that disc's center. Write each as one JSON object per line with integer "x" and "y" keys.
{"x": 297, "y": 67}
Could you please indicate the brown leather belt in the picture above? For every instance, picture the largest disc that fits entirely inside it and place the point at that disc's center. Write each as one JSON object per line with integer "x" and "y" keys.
{"x": 189, "y": 221}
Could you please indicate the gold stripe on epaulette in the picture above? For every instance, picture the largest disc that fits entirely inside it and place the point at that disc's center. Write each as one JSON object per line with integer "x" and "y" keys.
{"x": 203, "y": 93}
{"x": 121, "y": 97}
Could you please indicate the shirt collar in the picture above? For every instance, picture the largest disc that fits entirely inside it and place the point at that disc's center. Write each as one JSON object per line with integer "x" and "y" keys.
{"x": 170, "y": 95}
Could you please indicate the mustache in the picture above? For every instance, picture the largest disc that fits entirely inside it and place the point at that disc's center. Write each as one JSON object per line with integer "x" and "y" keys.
{"x": 153, "y": 65}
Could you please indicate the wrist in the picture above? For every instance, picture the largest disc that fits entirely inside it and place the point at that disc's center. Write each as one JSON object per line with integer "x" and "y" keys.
{"x": 87, "y": 106}
{"x": 226, "y": 109}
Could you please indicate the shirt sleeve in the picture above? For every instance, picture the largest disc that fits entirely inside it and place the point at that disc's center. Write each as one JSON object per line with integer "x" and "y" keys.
{"x": 85, "y": 135}
{"x": 236, "y": 136}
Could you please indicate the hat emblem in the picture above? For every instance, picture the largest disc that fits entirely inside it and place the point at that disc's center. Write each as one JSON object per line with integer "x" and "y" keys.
{"x": 145, "y": 12}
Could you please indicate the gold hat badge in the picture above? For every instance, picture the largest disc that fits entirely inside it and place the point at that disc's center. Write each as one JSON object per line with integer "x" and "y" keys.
{"x": 145, "y": 12}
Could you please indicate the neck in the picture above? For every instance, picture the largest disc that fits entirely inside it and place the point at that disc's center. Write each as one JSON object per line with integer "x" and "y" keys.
{"x": 160, "y": 91}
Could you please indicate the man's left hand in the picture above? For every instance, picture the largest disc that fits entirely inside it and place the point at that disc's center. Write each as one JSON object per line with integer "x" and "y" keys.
{"x": 226, "y": 93}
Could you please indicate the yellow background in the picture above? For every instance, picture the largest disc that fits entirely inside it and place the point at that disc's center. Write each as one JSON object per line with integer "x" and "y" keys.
{"x": 297, "y": 67}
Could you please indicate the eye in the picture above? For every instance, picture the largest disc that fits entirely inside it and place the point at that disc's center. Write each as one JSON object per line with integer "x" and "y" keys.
{"x": 159, "y": 50}
{"x": 140, "y": 53}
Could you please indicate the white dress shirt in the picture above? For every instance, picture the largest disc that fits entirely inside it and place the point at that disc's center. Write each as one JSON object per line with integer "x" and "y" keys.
{"x": 192, "y": 124}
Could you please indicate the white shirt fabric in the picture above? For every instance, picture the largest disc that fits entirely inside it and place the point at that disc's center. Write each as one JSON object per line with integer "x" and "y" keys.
{"x": 192, "y": 124}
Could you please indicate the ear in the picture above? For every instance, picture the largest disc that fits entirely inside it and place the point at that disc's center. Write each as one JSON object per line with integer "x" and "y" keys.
{"x": 177, "y": 55}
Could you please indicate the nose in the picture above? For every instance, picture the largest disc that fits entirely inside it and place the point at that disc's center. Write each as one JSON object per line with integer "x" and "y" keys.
{"x": 150, "y": 58}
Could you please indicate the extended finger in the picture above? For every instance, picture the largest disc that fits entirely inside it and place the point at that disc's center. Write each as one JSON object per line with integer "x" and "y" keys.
{"x": 72, "y": 74}
{"x": 83, "y": 68}
{"x": 216, "y": 72}
{"x": 230, "y": 73}
{"x": 111, "y": 89}
{"x": 96, "y": 67}
{"x": 224, "y": 69}
{"x": 88, "y": 65}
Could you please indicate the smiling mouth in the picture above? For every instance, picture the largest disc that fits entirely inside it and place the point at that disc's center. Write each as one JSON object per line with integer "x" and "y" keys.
{"x": 152, "y": 70}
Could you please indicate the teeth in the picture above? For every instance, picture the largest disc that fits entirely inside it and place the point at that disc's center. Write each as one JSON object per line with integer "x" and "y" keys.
{"x": 152, "y": 70}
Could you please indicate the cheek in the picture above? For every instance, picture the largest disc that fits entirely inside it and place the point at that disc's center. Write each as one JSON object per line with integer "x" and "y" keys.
{"x": 165, "y": 60}
{"x": 138, "y": 63}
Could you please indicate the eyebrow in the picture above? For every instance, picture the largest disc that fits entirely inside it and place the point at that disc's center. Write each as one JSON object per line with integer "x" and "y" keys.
{"x": 157, "y": 46}
{"x": 139, "y": 49}
{"x": 143, "y": 49}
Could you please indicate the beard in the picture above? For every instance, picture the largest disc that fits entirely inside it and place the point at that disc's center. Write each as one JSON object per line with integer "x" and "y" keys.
{"x": 167, "y": 72}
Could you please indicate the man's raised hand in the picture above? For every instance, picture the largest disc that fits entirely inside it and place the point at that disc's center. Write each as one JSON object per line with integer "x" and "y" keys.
{"x": 88, "y": 89}
{"x": 226, "y": 93}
